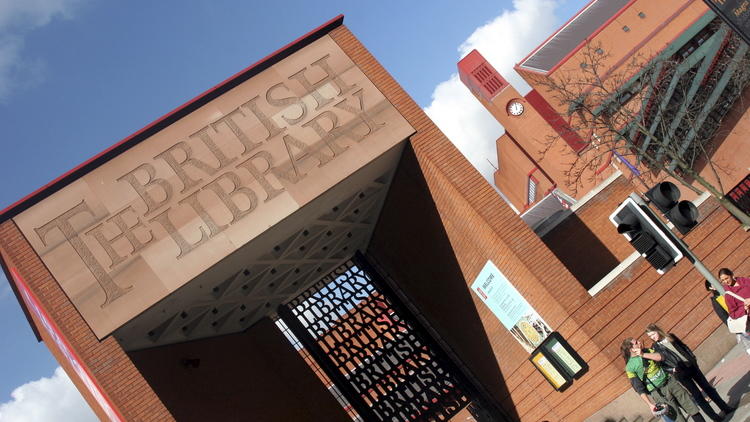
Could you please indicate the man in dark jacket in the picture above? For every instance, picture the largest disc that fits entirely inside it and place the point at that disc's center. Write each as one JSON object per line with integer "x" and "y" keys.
{"x": 680, "y": 361}
{"x": 651, "y": 382}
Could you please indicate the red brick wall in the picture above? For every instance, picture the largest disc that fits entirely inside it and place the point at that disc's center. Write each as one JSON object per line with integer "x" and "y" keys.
{"x": 411, "y": 246}
{"x": 254, "y": 375}
{"x": 677, "y": 301}
{"x": 440, "y": 225}
{"x": 107, "y": 362}
{"x": 442, "y": 222}
{"x": 586, "y": 241}
{"x": 477, "y": 226}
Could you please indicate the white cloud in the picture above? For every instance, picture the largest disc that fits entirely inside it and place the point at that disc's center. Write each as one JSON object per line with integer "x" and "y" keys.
{"x": 10, "y": 62}
{"x": 17, "y": 18}
{"x": 503, "y": 41}
{"x": 47, "y": 399}
{"x": 33, "y": 13}
{"x": 466, "y": 123}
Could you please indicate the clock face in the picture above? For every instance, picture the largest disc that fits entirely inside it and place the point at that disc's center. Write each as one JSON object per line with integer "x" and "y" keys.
{"x": 515, "y": 108}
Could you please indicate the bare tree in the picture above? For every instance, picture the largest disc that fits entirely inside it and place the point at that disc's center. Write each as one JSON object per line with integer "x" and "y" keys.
{"x": 660, "y": 115}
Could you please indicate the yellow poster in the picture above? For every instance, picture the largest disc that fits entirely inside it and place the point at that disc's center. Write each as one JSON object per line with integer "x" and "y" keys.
{"x": 549, "y": 371}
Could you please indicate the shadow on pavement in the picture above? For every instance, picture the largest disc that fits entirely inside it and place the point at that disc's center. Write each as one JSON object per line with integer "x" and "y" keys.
{"x": 735, "y": 393}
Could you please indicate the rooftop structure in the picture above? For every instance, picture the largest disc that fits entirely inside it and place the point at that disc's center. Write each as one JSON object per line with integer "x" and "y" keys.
{"x": 584, "y": 25}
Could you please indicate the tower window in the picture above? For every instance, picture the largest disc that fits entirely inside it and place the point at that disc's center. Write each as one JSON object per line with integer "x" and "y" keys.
{"x": 531, "y": 190}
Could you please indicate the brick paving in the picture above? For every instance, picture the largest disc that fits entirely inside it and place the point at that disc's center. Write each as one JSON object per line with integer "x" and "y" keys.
{"x": 731, "y": 376}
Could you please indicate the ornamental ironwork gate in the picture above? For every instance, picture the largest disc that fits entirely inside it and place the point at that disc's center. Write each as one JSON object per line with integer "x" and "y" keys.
{"x": 376, "y": 353}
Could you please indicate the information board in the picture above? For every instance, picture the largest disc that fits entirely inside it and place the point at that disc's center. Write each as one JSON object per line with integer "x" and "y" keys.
{"x": 558, "y": 362}
{"x": 513, "y": 311}
{"x": 553, "y": 375}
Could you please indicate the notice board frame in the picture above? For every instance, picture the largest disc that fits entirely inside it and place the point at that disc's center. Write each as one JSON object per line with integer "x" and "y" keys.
{"x": 558, "y": 362}
{"x": 740, "y": 23}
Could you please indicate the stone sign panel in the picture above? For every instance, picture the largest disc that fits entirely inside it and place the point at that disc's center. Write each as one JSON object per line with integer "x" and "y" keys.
{"x": 138, "y": 227}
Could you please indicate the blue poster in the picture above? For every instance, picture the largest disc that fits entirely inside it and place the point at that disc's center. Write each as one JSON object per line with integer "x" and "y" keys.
{"x": 513, "y": 311}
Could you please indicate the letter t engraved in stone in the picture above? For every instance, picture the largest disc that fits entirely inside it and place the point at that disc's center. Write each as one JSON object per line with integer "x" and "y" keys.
{"x": 127, "y": 233}
{"x": 62, "y": 222}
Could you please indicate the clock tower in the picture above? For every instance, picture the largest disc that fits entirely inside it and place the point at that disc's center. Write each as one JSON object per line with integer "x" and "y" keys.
{"x": 525, "y": 174}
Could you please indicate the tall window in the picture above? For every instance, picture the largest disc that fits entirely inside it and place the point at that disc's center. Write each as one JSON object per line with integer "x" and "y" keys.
{"x": 532, "y": 188}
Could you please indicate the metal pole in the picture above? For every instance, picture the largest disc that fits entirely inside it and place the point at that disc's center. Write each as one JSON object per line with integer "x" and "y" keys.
{"x": 702, "y": 268}
{"x": 687, "y": 252}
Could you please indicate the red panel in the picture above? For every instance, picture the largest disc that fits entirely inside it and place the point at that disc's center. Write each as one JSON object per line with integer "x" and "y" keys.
{"x": 555, "y": 120}
{"x": 480, "y": 77}
{"x": 79, "y": 366}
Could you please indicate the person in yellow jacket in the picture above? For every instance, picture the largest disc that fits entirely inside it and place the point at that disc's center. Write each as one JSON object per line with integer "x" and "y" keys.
{"x": 718, "y": 303}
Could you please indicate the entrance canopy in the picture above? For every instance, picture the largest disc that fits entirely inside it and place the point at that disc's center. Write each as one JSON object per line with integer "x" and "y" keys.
{"x": 274, "y": 267}
{"x": 229, "y": 206}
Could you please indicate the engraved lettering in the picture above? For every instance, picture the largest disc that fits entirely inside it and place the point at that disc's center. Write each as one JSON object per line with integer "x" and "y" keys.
{"x": 228, "y": 120}
{"x": 361, "y": 114}
{"x": 185, "y": 246}
{"x": 287, "y": 101}
{"x": 330, "y": 76}
{"x": 272, "y": 128}
{"x": 215, "y": 150}
{"x": 227, "y": 197}
{"x": 62, "y": 222}
{"x": 213, "y": 227}
{"x": 127, "y": 232}
{"x": 260, "y": 175}
{"x": 306, "y": 151}
{"x": 178, "y": 166}
{"x": 144, "y": 189}
{"x": 328, "y": 136}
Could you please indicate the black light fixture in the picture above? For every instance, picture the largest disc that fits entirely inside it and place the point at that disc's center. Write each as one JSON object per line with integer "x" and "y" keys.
{"x": 646, "y": 233}
{"x": 666, "y": 197}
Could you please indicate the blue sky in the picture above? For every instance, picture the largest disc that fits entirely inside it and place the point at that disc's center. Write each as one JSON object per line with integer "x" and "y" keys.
{"x": 77, "y": 76}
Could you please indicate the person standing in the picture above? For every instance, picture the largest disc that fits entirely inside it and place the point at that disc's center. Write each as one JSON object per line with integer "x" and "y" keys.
{"x": 737, "y": 308}
{"x": 644, "y": 370}
{"x": 679, "y": 360}
{"x": 718, "y": 303}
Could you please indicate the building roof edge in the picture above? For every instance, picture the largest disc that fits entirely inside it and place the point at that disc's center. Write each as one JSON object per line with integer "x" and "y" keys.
{"x": 169, "y": 118}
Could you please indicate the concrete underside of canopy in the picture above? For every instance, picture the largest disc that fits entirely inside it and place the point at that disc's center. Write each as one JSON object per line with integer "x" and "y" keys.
{"x": 273, "y": 268}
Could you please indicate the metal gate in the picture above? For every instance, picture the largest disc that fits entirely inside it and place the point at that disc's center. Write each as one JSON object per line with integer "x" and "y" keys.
{"x": 375, "y": 352}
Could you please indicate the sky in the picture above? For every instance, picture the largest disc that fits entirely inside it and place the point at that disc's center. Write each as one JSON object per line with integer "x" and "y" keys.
{"x": 77, "y": 76}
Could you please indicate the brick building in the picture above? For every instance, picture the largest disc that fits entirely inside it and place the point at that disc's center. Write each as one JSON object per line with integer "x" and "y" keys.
{"x": 692, "y": 50}
{"x": 697, "y": 58}
{"x": 310, "y": 187}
